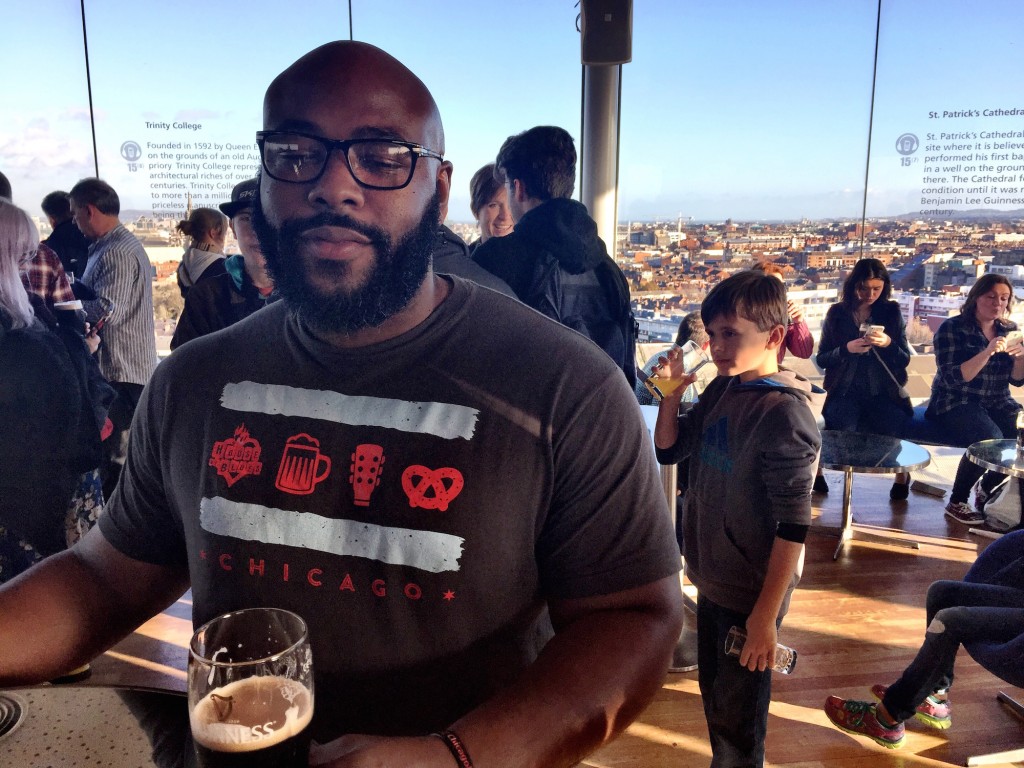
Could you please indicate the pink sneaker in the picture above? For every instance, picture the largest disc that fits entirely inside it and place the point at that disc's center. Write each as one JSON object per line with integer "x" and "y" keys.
{"x": 859, "y": 717}
{"x": 932, "y": 714}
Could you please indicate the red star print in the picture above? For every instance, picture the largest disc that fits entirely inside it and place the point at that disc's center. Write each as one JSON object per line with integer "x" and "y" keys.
{"x": 202, "y": 554}
{"x": 449, "y": 595}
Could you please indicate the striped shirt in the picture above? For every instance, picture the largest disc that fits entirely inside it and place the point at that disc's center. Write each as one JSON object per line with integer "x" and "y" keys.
{"x": 958, "y": 340}
{"x": 120, "y": 274}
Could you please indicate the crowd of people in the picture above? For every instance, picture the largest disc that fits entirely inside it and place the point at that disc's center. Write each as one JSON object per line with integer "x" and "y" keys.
{"x": 509, "y": 549}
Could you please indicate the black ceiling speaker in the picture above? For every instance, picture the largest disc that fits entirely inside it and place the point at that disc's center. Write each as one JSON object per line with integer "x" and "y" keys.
{"x": 607, "y": 31}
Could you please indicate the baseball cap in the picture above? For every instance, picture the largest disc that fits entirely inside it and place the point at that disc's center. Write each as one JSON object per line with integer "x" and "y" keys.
{"x": 241, "y": 197}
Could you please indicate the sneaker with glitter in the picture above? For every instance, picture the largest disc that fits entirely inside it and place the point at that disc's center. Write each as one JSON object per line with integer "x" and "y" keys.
{"x": 934, "y": 714}
{"x": 964, "y": 513}
{"x": 859, "y": 717}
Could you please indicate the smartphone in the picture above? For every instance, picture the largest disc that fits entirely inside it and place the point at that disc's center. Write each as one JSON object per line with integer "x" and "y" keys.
{"x": 867, "y": 330}
{"x": 1013, "y": 338}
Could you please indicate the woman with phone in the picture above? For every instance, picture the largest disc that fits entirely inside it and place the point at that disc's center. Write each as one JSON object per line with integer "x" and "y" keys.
{"x": 865, "y": 354}
{"x": 978, "y": 355}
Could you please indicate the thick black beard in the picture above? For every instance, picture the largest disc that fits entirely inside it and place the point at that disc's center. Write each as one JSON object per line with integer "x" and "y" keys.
{"x": 397, "y": 274}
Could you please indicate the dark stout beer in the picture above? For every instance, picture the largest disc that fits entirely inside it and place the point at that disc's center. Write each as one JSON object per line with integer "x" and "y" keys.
{"x": 257, "y": 722}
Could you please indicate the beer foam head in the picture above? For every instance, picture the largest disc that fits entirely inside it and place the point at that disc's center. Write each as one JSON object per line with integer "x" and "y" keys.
{"x": 250, "y": 714}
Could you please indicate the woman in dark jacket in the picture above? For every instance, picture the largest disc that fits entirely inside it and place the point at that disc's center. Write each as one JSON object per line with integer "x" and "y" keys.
{"x": 865, "y": 354}
{"x": 50, "y": 441}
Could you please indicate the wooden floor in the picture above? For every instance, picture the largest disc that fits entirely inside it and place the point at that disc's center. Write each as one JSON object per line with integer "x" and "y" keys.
{"x": 855, "y": 622}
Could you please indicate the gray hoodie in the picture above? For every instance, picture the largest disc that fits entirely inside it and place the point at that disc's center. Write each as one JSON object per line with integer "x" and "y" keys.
{"x": 753, "y": 450}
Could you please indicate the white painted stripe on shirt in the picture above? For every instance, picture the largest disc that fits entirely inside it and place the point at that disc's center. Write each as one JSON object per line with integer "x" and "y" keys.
{"x": 441, "y": 419}
{"x": 427, "y": 550}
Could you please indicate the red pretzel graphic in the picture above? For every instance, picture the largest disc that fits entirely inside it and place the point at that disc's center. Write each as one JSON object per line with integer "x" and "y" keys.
{"x": 417, "y": 480}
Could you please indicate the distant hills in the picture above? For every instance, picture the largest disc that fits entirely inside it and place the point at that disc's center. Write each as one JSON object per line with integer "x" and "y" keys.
{"x": 972, "y": 214}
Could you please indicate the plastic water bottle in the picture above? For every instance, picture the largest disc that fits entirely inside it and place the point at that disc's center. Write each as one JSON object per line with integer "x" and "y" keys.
{"x": 785, "y": 657}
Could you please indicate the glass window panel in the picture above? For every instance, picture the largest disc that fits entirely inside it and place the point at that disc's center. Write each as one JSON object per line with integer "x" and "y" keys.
{"x": 45, "y": 139}
{"x": 948, "y": 109}
{"x": 494, "y": 70}
{"x": 182, "y": 92}
{"x": 746, "y": 109}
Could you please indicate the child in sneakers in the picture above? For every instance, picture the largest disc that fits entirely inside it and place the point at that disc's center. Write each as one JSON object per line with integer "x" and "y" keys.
{"x": 752, "y": 442}
{"x": 989, "y": 607}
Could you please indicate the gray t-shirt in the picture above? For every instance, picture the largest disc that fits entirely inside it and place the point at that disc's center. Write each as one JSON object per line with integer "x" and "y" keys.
{"x": 415, "y": 501}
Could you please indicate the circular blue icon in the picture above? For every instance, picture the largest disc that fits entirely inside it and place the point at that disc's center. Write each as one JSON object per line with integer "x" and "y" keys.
{"x": 907, "y": 144}
{"x": 131, "y": 151}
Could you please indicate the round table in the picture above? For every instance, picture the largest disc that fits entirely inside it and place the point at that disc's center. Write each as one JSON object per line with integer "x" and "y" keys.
{"x": 94, "y": 726}
{"x": 999, "y": 456}
{"x": 869, "y": 454}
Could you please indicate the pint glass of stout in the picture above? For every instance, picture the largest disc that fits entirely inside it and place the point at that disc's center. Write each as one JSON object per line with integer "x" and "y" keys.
{"x": 250, "y": 690}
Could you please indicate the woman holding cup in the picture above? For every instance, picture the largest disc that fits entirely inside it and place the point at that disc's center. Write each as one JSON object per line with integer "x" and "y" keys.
{"x": 978, "y": 354}
{"x": 865, "y": 354}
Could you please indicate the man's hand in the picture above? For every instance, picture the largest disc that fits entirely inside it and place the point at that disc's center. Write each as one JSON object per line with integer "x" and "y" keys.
{"x": 92, "y": 339}
{"x": 362, "y": 751}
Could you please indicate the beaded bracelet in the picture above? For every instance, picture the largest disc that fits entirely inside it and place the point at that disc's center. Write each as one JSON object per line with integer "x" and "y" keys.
{"x": 455, "y": 746}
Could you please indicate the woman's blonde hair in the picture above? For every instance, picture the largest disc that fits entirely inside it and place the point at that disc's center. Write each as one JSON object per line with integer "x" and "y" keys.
{"x": 204, "y": 225}
{"x": 19, "y": 240}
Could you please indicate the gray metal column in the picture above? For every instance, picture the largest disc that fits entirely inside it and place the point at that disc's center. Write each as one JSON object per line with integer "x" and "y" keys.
{"x": 599, "y": 151}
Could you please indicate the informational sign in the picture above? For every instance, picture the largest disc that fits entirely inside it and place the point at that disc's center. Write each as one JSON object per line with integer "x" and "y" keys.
{"x": 967, "y": 161}
{"x": 182, "y": 162}
{"x": 948, "y": 138}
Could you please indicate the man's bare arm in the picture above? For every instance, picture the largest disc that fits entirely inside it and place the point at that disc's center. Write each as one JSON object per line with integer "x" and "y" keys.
{"x": 607, "y": 659}
{"x": 73, "y": 606}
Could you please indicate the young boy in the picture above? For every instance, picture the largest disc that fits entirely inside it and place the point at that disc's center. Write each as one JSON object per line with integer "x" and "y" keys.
{"x": 753, "y": 447}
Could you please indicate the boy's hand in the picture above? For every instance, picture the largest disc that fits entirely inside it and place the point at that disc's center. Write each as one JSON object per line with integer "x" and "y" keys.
{"x": 758, "y": 652}
{"x": 670, "y": 366}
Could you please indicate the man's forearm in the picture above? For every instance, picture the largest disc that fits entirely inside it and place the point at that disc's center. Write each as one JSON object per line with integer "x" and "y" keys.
{"x": 588, "y": 684}
{"x": 62, "y": 613}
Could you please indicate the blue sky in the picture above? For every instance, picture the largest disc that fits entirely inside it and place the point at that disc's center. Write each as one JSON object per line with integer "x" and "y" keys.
{"x": 750, "y": 109}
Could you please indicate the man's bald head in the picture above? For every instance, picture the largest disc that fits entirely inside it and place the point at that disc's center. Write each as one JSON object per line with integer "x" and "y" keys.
{"x": 345, "y": 66}
{"x": 349, "y": 256}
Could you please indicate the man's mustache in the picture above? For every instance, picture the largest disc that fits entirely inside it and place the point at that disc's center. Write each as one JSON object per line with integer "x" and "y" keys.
{"x": 293, "y": 228}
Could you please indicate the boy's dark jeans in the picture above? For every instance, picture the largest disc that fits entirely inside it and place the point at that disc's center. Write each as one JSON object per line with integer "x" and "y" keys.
{"x": 961, "y": 612}
{"x": 735, "y": 699}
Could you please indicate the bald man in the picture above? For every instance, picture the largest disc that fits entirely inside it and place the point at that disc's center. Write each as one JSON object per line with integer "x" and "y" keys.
{"x": 404, "y": 459}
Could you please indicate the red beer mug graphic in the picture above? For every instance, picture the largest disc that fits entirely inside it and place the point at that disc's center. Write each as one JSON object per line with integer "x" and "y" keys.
{"x": 302, "y": 465}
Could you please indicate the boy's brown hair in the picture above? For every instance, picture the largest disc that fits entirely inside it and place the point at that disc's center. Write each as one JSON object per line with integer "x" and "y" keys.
{"x": 752, "y": 295}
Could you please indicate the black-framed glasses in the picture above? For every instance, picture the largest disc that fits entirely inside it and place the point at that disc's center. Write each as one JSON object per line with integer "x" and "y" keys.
{"x": 298, "y": 157}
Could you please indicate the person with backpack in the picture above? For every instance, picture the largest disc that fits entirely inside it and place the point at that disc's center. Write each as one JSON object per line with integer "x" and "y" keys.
{"x": 554, "y": 259}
